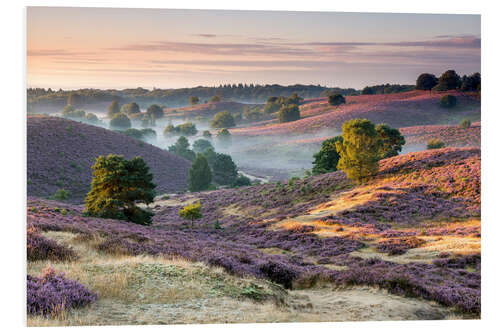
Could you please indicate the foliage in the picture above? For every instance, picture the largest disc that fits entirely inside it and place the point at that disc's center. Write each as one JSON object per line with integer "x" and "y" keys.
{"x": 435, "y": 144}
{"x": 206, "y": 134}
{"x": 240, "y": 181}
{"x": 327, "y": 158}
{"x": 143, "y": 134}
{"x": 289, "y": 113}
{"x": 52, "y": 293}
{"x": 181, "y": 148}
{"x": 210, "y": 155}
{"x": 148, "y": 120}
{"x": 214, "y": 99}
{"x": 91, "y": 118}
{"x": 186, "y": 129}
{"x": 224, "y": 170}
{"x": 224, "y": 138}
{"x": 201, "y": 145}
{"x": 223, "y": 119}
{"x": 465, "y": 123}
{"x": 426, "y": 81}
{"x": 130, "y": 108}
{"x": 191, "y": 212}
{"x": 42, "y": 248}
{"x": 471, "y": 83}
{"x": 253, "y": 114}
{"x": 448, "y": 101}
{"x": 199, "y": 176}
{"x": 61, "y": 195}
{"x": 75, "y": 99}
{"x": 193, "y": 100}
{"x": 120, "y": 121}
{"x": 359, "y": 150}
{"x": 448, "y": 80}
{"x": 392, "y": 141}
{"x": 113, "y": 108}
{"x": 336, "y": 99}
{"x": 155, "y": 111}
{"x": 387, "y": 89}
{"x": 117, "y": 185}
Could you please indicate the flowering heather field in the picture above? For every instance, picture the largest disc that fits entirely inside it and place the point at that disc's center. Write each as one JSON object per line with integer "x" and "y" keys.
{"x": 397, "y": 110}
{"x": 452, "y": 136}
{"x": 61, "y": 153}
{"x": 321, "y": 229}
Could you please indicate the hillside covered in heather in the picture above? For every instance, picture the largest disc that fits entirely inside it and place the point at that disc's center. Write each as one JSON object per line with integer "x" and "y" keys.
{"x": 61, "y": 153}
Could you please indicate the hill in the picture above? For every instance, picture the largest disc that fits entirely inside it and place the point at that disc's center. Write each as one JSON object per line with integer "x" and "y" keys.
{"x": 414, "y": 230}
{"x": 61, "y": 153}
{"x": 206, "y": 109}
{"x": 397, "y": 110}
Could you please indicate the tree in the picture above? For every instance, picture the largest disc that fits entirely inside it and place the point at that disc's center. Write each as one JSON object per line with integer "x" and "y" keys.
{"x": 465, "y": 123}
{"x": 186, "y": 129}
{"x": 74, "y": 99}
{"x": 113, "y": 108}
{"x": 210, "y": 155}
{"x": 215, "y": 99}
{"x": 471, "y": 83}
{"x": 392, "y": 141}
{"x": 448, "y": 80}
{"x": 117, "y": 185}
{"x": 327, "y": 158}
{"x": 448, "y": 101}
{"x": 120, "y": 121}
{"x": 67, "y": 110}
{"x": 295, "y": 99}
{"x": 359, "y": 150}
{"x": 225, "y": 171}
{"x": 336, "y": 99}
{"x": 193, "y": 100}
{"x": 241, "y": 181}
{"x": 223, "y": 119}
{"x": 224, "y": 138}
{"x": 181, "y": 148}
{"x": 91, "y": 118}
{"x": 435, "y": 144}
{"x": 148, "y": 120}
{"x": 426, "y": 81}
{"x": 367, "y": 91}
{"x": 206, "y": 134}
{"x": 131, "y": 108}
{"x": 288, "y": 113}
{"x": 273, "y": 104}
{"x": 155, "y": 111}
{"x": 200, "y": 176}
{"x": 191, "y": 212}
{"x": 201, "y": 145}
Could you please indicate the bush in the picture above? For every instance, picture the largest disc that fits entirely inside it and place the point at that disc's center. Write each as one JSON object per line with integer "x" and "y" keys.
{"x": 120, "y": 121}
{"x": 41, "y": 248}
{"x": 465, "y": 123}
{"x": 215, "y": 99}
{"x": 91, "y": 118}
{"x": 191, "y": 212}
{"x": 206, "y": 134}
{"x": 278, "y": 273}
{"x": 392, "y": 141}
{"x": 155, "y": 111}
{"x": 241, "y": 181}
{"x": 336, "y": 99}
{"x": 130, "y": 108}
{"x": 289, "y": 113}
{"x": 186, "y": 129}
{"x": 61, "y": 195}
{"x": 223, "y": 119}
{"x": 201, "y": 145}
{"x": 53, "y": 293}
{"x": 181, "y": 148}
{"x": 113, "y": 109}
{"x": 435, "y": 144}
{"x": 193, "y": 100}
{"x": 107, "y": 200}
{"x": 448, "y": 101}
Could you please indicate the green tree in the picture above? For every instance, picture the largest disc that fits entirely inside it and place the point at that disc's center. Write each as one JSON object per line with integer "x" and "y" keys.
{"x": 120, "y": 121}
{"x": 367, "y": 91}
{"x": 200, "y": 175}
{"x": 117, "y": 186}
{"x": 225, "y": 171}
{"x": 223, "y": 119}
{"x": 155, "y": 111}
{"x": 392, "y": 141}
{"x": 210, "y": 155}
{"x": 273, "y": 105}
{"x": 206, "y": 134}
{"x": 91, "y": 118}
{"x": 130, "y": 108}
{"x": 191, "y": 212}
{"x": 148, "y": 120}
{"x": 113, "y": 108}
{"x": 327, "y": 158}
{"x": 181, "y": 148}
{"x": 289, "y": 113}
{"x": 295, "y": 99}
{"x": 193, "y": 100}
{"x": 224, "y": 138}
{"x": 471, "y": 83}
{"x": 426, "y": 81}
{"x": 187, "y": 129}
{"x": 67, "y": 110}
{"x": 336, "y": 99}
{"x": 201, "y": 145}
{"x": 465, "y": 123}
{"x": 215, "y": 99}
{"x": 448, "y": 80}
{"x": 241, "y": 181}
{"x": 448, "y": 101}
{"x": 359, "y": 150}
{"x": 75, "y": 99}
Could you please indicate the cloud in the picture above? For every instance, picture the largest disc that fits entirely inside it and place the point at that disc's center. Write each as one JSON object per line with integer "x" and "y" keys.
{"x": 205, "y": 35}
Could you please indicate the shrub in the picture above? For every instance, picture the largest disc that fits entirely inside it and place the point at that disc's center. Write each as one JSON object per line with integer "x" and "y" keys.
{"x": 130, "y": 108}
{"x": 120, "y": 121}
{"x": 435, "y": 144}
{"x": 155, "y": 111}
{"x": 215, "y": 99}
{"x": 278, "y": 273}
{"x": 223, "y": 119}
{"x": 186, "y": 129}
{"x": 53, "y": 293}
{"x": 465, "y": 123}
{"x": 241, "y": 181}
{"x": 359, "y": 150}
{"x": 193, "y": 100}
{"x": 191, "y": 212}
{"x": 199, "y": 176}
{"x": 206, "y": 134}
{"x": 201, "y": 145}
{"x": 91, "y": 118}
{"x": 148, "y": 120}
{"x": 288, "y": 113}
{"x": 181, "y": 148}
{"x": 448, "y": 101}
{"x": 41, "y": 248}
{"x": 327, "y": 158}
{"x": 61, "y": 195}
{"x": 336, "y": 99}
{"x": 113, "y": 108}
{"x": 117, "y": 185}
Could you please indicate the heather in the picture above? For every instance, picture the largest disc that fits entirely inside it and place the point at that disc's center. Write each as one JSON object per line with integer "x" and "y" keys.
{"x": 39, "y": 247}
{"x": 52, "y": 293}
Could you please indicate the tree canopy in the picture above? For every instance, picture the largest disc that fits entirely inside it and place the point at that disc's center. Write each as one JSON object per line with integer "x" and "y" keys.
{"x": 224, "y": 170}
{"x": 288, "y": 113}
{"x": 155, "y": 111}
{"x": 193, "y": 100}
{"x": 201, "y": 145}
{"x": 113, "y": 109}
{"x": 120, "y": 121}
{"x": 223, "y": 119}
{"x": 131, "y": 108}
{"x": 327, "y": 158}
{"x": 181, "y": 148}
{"x": 200, "y": 175}
{"x": 117, "y": 185}
{"x": 336, "y": 99}
{"x": 426, "y": 81}
{"x": 392, "y": 141}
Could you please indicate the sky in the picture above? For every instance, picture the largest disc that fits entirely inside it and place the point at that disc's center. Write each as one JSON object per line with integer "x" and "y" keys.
{"x": 72, "y": 48}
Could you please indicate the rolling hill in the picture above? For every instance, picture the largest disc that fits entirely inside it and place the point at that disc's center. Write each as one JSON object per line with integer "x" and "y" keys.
{"x": 61, "y": 153}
